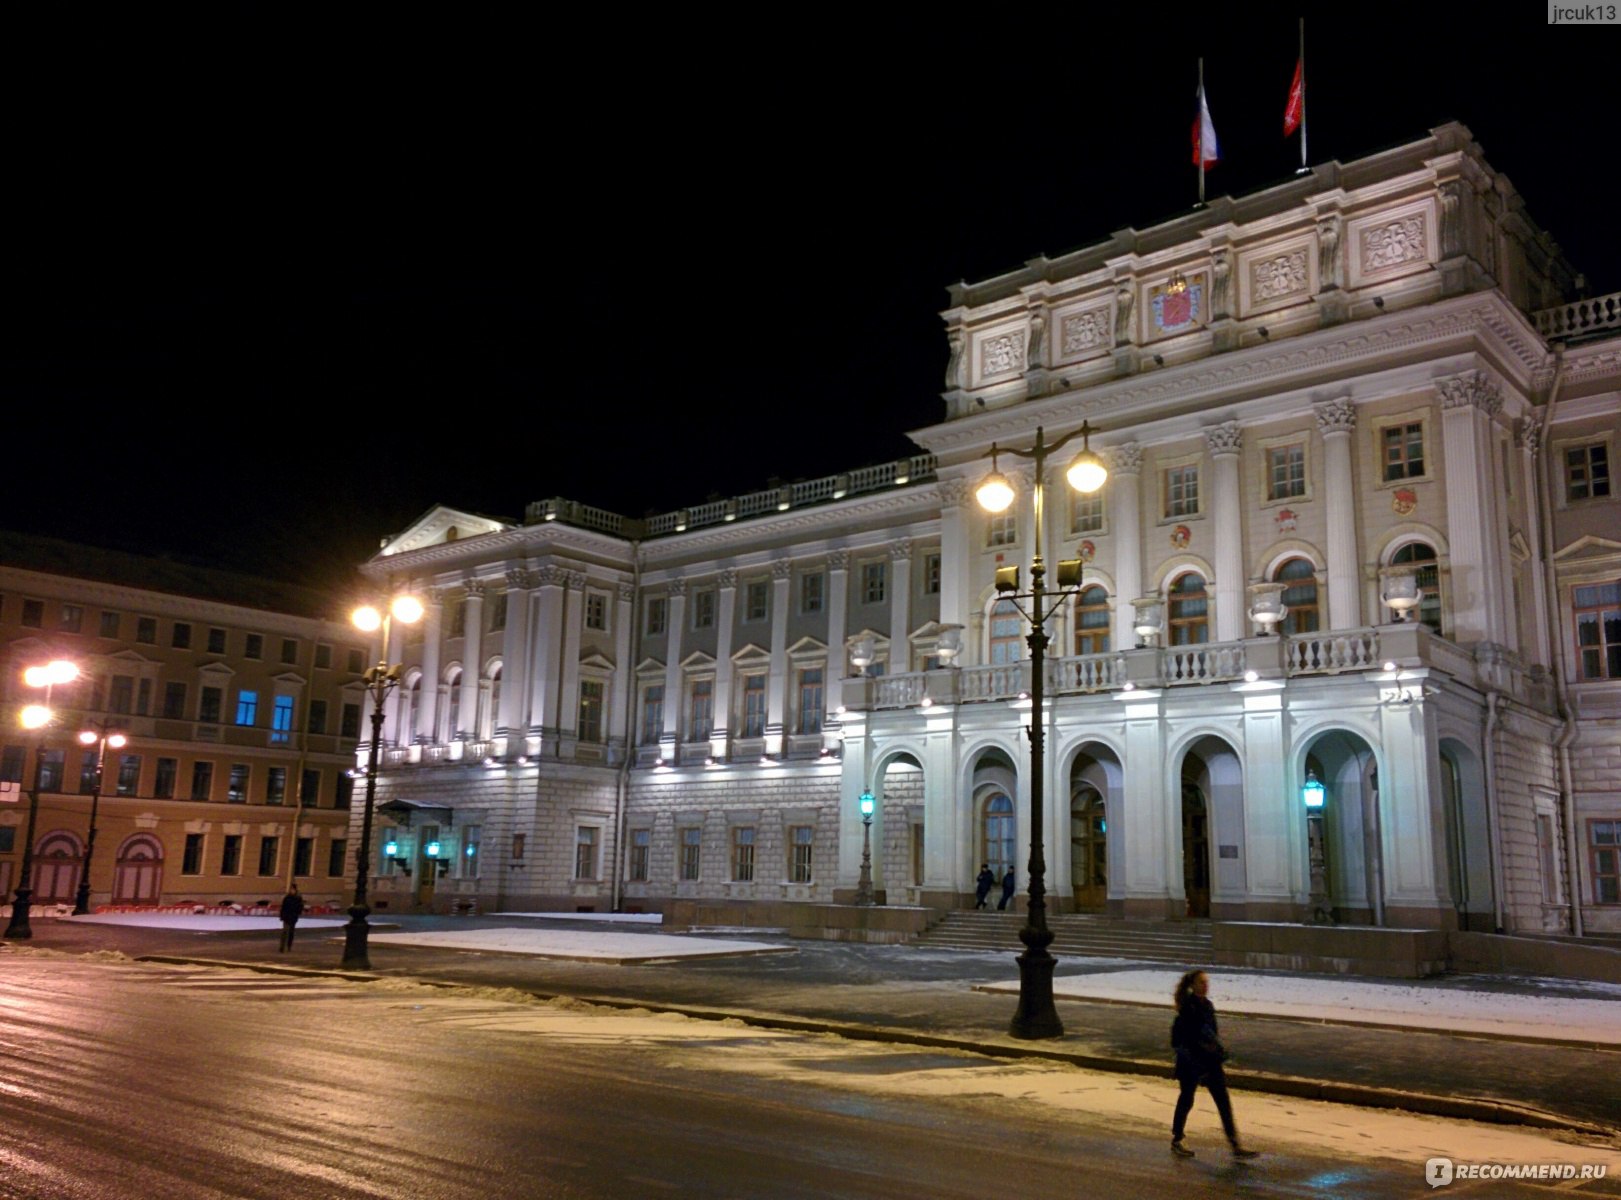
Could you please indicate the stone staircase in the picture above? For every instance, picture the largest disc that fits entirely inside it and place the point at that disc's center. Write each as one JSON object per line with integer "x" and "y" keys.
{"x": 1076, "y": 935}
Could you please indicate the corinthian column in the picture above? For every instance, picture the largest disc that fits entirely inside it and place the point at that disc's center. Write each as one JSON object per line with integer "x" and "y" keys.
{"x": 1224, "y": 442}
{"x": 1125, "y": 523}
{"x": 1335, "y": 421}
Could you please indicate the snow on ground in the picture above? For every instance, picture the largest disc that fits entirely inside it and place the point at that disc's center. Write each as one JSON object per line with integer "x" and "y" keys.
{"x": 615, "y": 918}
{"x": 205, "y": 923}
{"x": 593, "y": 944}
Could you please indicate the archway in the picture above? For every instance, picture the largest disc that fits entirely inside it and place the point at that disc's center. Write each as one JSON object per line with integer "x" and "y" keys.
{"x": 1353, "y": 883}
{"x": 1211, "y": 816}
{"x": 58, "y": 859}
{"x": 1467, "y": 833}
{"x": 138, "y": 871}
{"x": 995, "y": 816}
{"x": 1094, "y": 790}
{"x": 898, "y": 852}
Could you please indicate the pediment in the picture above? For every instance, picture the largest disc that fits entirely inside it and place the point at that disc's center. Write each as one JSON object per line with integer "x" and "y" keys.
{"x": 806, "y": 646}
{"x": 133, "y": 657}
{"x": 290, "y": 679}
{"x": 597, "y": 661}
{"x": 215, "y": 668}
{"x": 752, "y": 652}
{"x": 438, "y": 525}
{"x": 650, "y": 666}
{"x": 698, "y": 661}
{"x": 1590, "y": 546}
{"x": 929, "y": 631}
{"x": 878, "y": 639}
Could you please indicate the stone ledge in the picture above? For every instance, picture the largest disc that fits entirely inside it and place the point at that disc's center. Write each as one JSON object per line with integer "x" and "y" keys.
{"x": 1331, "y": 949}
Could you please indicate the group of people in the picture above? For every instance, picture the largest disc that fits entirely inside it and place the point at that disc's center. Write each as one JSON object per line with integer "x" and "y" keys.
{"x": 987, "y": 880}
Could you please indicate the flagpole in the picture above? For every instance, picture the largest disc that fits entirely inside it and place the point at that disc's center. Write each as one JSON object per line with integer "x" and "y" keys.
{"x": 1200, "y": 119}
{"x": 1303, "y": 167}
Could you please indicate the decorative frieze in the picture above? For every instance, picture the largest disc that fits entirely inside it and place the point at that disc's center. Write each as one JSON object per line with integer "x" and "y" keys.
{"x": 1001, "y": 354}
{"x": 1278, "y": 277}
{"x": 1335, "y": 416}
{"x": 1386, "y": 246}
{"x": 953, "y": 494}
{"x": 676, "y": 587}
{"x": 576, "y": 580}
{"x": 627, "y": 593}
{"x": 1085, "y": 332}
{"x": 839, "y": 560}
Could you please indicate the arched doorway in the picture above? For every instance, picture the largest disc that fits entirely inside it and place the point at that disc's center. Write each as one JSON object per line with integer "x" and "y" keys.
{"x": 1211, "y": 784}
{"x": 998, "y": 836}
{"x": 58, "y": 859}
{"x": 991, "y": 823}
{"x": 1467, "y": 831}
{"x": 1349, "y": 824}
{"x": 897, "y": 851}
{"x": 1089, "y": 847}
{"x": 138, "y": 871}
{"x": 1195, "y": 849}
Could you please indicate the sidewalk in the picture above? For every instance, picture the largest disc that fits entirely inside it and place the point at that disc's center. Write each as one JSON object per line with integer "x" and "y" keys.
{"x": 1483, "y": 1048}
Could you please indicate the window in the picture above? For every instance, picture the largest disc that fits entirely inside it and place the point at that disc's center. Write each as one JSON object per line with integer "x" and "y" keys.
{"x": 129, "y": 774}
{"x": 874, "y": 579}
{"x": 1086, "y": 512}
{"x": 281, "y": 719}
{"x": 180, "y": 639}
{"x": 216, "y": 641}
{"x": 590, "y": 710}
{"x": 517, "y": 845}
{"x": 335, "y": 855}
{"x": 1587, "y": 472}
{"x": 143, "y": 697}
{"x": 303, "y": 853}
{"x": 1402, "y": 450}
{"x": 309, "y": 787}
{"x": 692, "y": 844}
{"x": 1007, "y": 633}
{"x": 231, "y": 855}
{"x": 355, "y": 661}
{"x": 254, "y": 646}
{"x": 174, "y": 701}
{"x": 1300, "y": 596}
{"x": 317, "y": 716}
{"x": 269, "y": 849}
{"x": 652, "y": 713}
{"x": 1002, "y": 529}
{"x": 658, "y": 610}
{"x": 810, "y": 700}
{"x": 458, "y": 617}
{"x": 811, "y": 587}
{"x": 703, "y": 609}
{"x": 700, "y": 710}
{"x": 11, "y": 763}
{"x": 146, "y": 629}
{"x": 1606, "y": 851}
{"x": 931, "y": 574}
{"x": 801, "y": 847}
{"x": 87, "y": 773}
{"x": 237, "y": 791}
{"x": 999, "y": 850}
{"x": 498, "y": 612}
{"x": 641, "y": 847}
{"x": 109, "y": 624}
{"x": 51, "y": 768}
{"x": 208, "y": 708}
{"x": 349, "y": 726}
{"x": 1182, "y": 491}
{"x": 472, "y": 838}
{"x": 323, "y": 657}
{"x": 121, "y": 696}
{"x": 8, "y": 839}
{"x": 33, "y": 613}
{"x": 596, "y": 611}
{"x": 247, "y": 707}
{"x": 345, "y": 790}
{"x": 1598, "y": 629}
{"x": 289, "y": 655}
{"x": 1092, "y": 621}
{"x": 276, "y": 785}
{"x": 743, "y": 854}
{"x": 72, "y": 618}
{"x": 1422, "y": 555}
{"x": 164, "y": 781}
{"x": 191, "y": 862}
{"x": 755, "y": 600}
{"x": 1285, "y": 472}
{"x": 585, "y": 852}
{"x": 202, "y": 780}
{"x": 753, "y": 706}
{"x": 1190, "y": 610}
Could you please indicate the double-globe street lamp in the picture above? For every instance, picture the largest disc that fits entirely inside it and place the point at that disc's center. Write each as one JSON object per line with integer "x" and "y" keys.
{"x": 1036, "y": 1017}
{"x": 380, "y": 681}
{"x": 100, "y": 735}
{"x": 36, "y": 716}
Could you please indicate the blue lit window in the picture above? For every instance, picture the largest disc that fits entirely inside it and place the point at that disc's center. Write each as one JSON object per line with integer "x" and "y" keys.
{"x": 247, "y": 708}
{"x": 281, "y": 719}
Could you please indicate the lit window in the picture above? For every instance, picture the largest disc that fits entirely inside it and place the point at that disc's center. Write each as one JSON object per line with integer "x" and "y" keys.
{"x": 700, "y": 710}
{"x": 237, "y": 793}
{"x": 753, "y": 706}
{"x": 1007, "y": 633}
{"x": 276, "y": 785}
{"x": 1285, "y": 472}
{"x": 1086, "y": 512}
{"x": 811, "y": 701}
{"x": 1092, "y": 621}
{"x": 743, "y": 854}
{"x": 999, "y": 832}
{"x": 1190, "y": 610}
{"x": 652, "y": 713}
{"x": 247, "y": 707}
{"x": 1587, "y": 472}
{"x": 1402, "y": 451}
{"x": 1300, "y": 595}
{"x": 281, "y": 719}
{"x": 1422, "y": 556}
{"x": 1598, "y": 630}
{"x": 1002, "y": 529}
{"x": 129, "y": 774}
{"x": 802, "y": 844}
{"x": 591, "y": 710}
{"x": 596, "y": 611}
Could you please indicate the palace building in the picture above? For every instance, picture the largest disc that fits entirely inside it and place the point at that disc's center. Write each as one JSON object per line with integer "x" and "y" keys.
{"x": 1358, "y": 549}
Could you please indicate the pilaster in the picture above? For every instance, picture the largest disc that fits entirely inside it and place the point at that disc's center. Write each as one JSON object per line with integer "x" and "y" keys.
{"x": 1225, "y": 442}
{"x": 515, "y": 665}
{"x": 1335, "y": 421}
{"x": 433, "y": 603}
{"x": 1125, "y": 526}
{"x": 472, "y": 667}
{"x": 838, "y": 615}
{"x": 1468, "y": 402}
{"x": 721, "y": 730}
{"x": 900, "y": 600}
{"x": 782, "y": 573}
{"x": 675, "y": 622}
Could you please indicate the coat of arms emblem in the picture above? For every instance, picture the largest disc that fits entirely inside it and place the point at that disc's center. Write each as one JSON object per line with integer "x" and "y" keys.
{"x": 1404, "y": 501}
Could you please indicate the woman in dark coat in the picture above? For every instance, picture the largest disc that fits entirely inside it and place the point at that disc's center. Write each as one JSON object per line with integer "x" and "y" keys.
{"x": 1199, "y": 1055}
{"x": 985, "y": 881}
{"x": 292, "y": 907}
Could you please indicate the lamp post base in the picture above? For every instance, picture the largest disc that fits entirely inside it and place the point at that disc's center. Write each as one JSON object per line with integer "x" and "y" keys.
{"x": 1036, "y": 1017}
{"x": 355, "y": 934}
{"x": 19, "y": 926}
{"x": 81, "y": 902}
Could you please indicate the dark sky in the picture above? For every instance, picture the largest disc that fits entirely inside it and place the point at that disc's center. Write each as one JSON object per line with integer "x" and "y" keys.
{"x": 273, "y": 286}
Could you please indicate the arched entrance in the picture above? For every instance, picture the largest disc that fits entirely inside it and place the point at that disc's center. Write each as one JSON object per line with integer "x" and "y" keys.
{"x": 993, "y": 836}
{"x": 138, "y": 870}
{"x": 1095, "y": 781}
{"x": 1468, "y": 849}
{"x": 1211, "y": 781}
{"x": 1352, "y": 887}
{"x": 1195, "y": 849}
{"x": 898, "y": 851}
{"x": 58, "y": 859}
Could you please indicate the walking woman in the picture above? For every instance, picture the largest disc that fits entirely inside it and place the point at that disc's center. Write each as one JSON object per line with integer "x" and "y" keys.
{"x": 1199, "y": 1055}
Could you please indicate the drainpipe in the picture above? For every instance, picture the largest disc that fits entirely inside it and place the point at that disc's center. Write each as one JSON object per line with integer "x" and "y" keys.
{"x": 1494, "y": 860}
{"x": 621, "y": 794}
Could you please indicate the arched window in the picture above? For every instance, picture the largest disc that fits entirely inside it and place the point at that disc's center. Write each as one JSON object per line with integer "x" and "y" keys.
{"x": 492, "y": 715}
{"x": 1300, "y": 595}
{"x": 999, "y": 834}
{"x": 413, "y": 711}
{"x": 1007, "y": 633}
{"x": 1422, "y": 556}
{"x": 453, "y": 707}
{"x": 1190, "y": 610}
{"x": 1092, "y": 621}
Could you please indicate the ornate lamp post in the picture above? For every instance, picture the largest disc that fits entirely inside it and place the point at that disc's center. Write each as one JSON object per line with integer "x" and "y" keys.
{"x": 36, "y": 716}
{"x": 1312, "y": 795}
{"x": 380, "y": 681}
{"x": 1036, "y": 1017}
{"x": 864, "y": 896}
{"x": 100, "y": 736}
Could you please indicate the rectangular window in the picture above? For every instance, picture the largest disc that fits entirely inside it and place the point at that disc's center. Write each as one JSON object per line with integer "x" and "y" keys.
{"x": 585, "y": 852}
{"x": 356, "y": 661}
{"x": 216, "y": 641}
{"x": 317, "y": 716}
{"x": 181, "y": 636}
{"x": 743, "y": 854}
{"x": 276, "y": 785}
{"x": 1598, "y": 629}
{"x": 1086, "y": 512}
{"x": 350, "y": 727}
{"x": 11, "y": 763}
{"x": 517, "y": 845}
{"x": 596, "y": 611}
{"x": 335, "y": 855}
{"x": 174, "y": 701}
{"x": 87, "y": 773}
{"x": 658, "y": 609}
{"x": 1605, "y": 847}
{"x": 254, "y": 646}
{"x": 309, "y": 787}
{"x": 756, "y": 600}
{"x": 231, "y": 855}
{"x": 129, "y": 774}
{"x": 33, "y": 614}
{"x": 874, "y": 580}
{"x": 591, "y": 711}
{"x": 753, "y": 706}
{"x": 247, "y": 707}
{"x": 289, "y": 655}
{"x": 1002, "y": 529}
{"x": 202, "y": 780}
{"x": 692, "y": 844}
{"x": 1402, "y": 450}
{"x": 701, "y": 710}
{"x": 163, "y": 782}
{"x": 810, "y": 700}
{"x": 652, "y": 713}
{"x": 269, "y": 850}
{"x": 109, "y": 624}
{"x": 703, "y": 609}
{"x": 810, "y": 592}
{"x": 345, "y": 790}
{"x": 146, "y": 630}
{"x": 498, "y": 612}
{"x": 1587, "y": 472}
{"x": 8, "y": 839}
{"x": 458, "y": 617}
{"x": 1182, "y": 491}
{"x": 143, "y": 697}
{"x": 281, "y": 719}
{"x": 237, "y": 792}
{"x": 323, "y": 657}
{"x": 802, "y": 845}
{"x": 191, "y": 863}
{"x": 641, "y": 848}
{"x": 931, "y": 574}
{"x": 1285, "y": 472}
{"x": 208, "y": 708}
{"x": 52, "y": 766}
{"x": 303, "y": 855}
{"x": 72, "y": 618}
{"x": 121, "y": 696}
{"x": 472, "y": 838}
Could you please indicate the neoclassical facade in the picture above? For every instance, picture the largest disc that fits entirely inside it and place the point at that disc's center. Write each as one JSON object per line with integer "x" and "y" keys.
{"x": 1359, "y": 531}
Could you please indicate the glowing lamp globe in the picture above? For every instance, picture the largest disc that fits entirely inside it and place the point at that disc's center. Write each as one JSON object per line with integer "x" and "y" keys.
{"x": 995, "y": 493}
{"x": 407, "y": 609}
{"x": 366, "y": 619}
{"x": 1087, "y": 473}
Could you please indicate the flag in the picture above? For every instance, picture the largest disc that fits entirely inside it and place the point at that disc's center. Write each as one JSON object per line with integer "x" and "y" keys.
{"x": 1204, "y": 134}
{"x": 1295, "y": 110}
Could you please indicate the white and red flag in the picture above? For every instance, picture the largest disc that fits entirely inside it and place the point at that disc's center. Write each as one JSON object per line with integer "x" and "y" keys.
{"x": 1205, "y": 150}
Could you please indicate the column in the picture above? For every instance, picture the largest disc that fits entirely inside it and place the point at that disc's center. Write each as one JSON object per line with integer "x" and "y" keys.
{"x": 1528, "y": 437}
{"x": 838, "y": 615}
{"x": 956, "y": 560}
{"x": 620, "y": 722}
{"x": 1271, "y": 822}
{"x": 1411, "y": 818}
{"x": 1145, "y": 877}
{"x": 515, "y": 658}
{"x": 776, "y": 696}
{"x": 1224, "y": 442}
{"x": 393, "y": 653}
{"x": 675, "y": 622}
{"x": 1336, "y": 419}
{"x": 1126, "y": 533}
{"x": 1467, "y": 404}
{"x": 472, "y": 667}
{"x": 725, "y": 615}
{"x": 900, "y": 606}
{"x": 545, "y": 646}
{"x": 433, "y": 617}
{"x": 568, "y": 704}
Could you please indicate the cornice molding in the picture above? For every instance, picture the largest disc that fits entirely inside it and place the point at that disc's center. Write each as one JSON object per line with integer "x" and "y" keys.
{"x": 920, "y": 503}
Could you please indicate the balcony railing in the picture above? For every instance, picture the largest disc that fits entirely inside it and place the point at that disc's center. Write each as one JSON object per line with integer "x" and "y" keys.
{"x": 1209, "y": 663}
{"x": 1330, "y": 653}
{"x": 1580, "y": 317}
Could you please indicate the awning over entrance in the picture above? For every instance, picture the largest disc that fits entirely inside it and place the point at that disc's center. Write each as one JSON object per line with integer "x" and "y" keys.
{"x": 402, "y": 810}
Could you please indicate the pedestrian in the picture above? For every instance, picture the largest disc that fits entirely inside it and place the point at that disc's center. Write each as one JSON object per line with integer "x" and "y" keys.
{"x": 292, "y": 907}
{"x": 1199, "y": 1055}
{"x": 1007, "y": 890}
{"x": 986, "y": 882}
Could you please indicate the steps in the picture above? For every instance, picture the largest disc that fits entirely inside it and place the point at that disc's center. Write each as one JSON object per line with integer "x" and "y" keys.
{"x": 1076, "y": 935}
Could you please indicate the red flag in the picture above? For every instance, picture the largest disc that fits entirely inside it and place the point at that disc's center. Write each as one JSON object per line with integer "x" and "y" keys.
{"x": 1295, "y": 109}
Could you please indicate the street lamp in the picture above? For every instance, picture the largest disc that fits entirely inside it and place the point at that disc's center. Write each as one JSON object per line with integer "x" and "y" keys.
{"x": 100, "y": 736}
{"x": 1312, "y": 795}
{"x": 1036, "y": 1017}
{"x": 36, "y": 716}
{"x": 380, "y": 681}
{"x": 864, "y": 895}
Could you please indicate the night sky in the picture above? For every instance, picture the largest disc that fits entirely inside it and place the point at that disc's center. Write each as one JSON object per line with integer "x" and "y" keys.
{"x": 275, "y": 286}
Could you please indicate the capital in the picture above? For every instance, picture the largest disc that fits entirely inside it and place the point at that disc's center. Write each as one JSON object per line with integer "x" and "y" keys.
{"x": 1225, "y": 438}
{"x": 839, "y": 560}
{"x": 901, "y": 549}
{"x": 953, "y": 492}
{"x": 728, "y": 578}
{"x": 676, "y": 587}
{"x": 783, "y": 568}
{"x": 1471, "y": 389}
{"x": 1125, "y": 459}
{"x": 1335, "y": 416}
